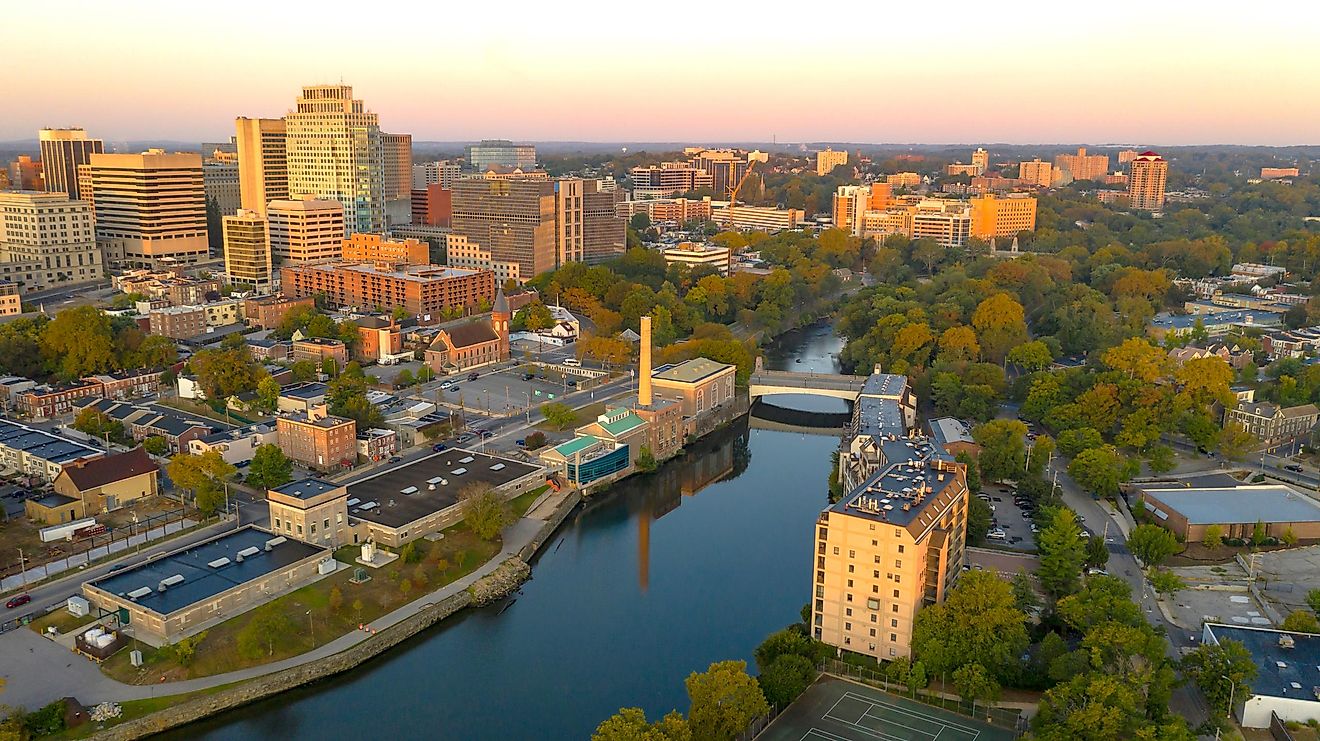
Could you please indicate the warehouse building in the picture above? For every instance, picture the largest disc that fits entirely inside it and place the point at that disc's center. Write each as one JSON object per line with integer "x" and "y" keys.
{"x": 1236, "y": 510}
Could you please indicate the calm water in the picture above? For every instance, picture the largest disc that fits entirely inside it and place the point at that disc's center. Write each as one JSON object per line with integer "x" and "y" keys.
{"x": 654, "y": 580}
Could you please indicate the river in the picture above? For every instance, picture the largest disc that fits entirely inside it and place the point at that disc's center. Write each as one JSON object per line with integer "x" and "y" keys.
{"x": 651, "y": 581}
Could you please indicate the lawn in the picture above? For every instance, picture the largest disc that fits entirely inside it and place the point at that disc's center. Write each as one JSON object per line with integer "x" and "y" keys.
{"x": 134, "y": 709}
{"x": 521, "y": 503}
{"x": 586, "y": 414}
{"x": 62, "y": 620}
{"x": 306, "y": 616}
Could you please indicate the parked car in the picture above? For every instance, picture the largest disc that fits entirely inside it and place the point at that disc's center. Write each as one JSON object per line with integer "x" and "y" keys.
{"x": 573, "y": 362}
{"x": 1294, "y": 468}
{"x": 1096, "y": 572}
{"x": 454, "y": 387}
{"x": 18, "y": 601}
{"x": 572, "y": 384}
{"x": 473, "y": 376}
{"x": 521, "y": 442}
{"x": 439, "y": 447}
{"x": 996, "y": 534}
{"x": 446, "y": 384}
{"x": 485, "y": 434}
{"x": 528, "y": 376}
{"x": 396, "y": 459}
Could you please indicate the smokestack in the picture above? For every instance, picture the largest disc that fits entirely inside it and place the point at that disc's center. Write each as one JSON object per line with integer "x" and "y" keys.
{"x": 644, "y": 373}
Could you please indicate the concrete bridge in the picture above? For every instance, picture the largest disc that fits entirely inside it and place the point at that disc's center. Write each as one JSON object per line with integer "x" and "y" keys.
{"x": 769, "y": 382}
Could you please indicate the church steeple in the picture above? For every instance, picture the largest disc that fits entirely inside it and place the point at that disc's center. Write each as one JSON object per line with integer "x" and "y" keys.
{"x": 500, "y": 317}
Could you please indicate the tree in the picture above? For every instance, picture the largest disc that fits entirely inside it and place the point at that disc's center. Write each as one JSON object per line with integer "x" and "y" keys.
{"x": 1003, "y": 448}
{"x": 724, "y": 701}
{"x": 558, "y": 415}
{"x": 974, "y": 683}
{"x": 789, "y": 641}
{"x": 1101, "y": 470}
{"x": 979, "y": 518}
{"x": 1031, "y": 356}
{"x": 425, "y": 374}
{"x": 1074, "y": 441}
{"x": 786, "y": 678}
{"x": 157, "y": 351}
{"x": 185, "y": 650}
{"x": 1214, "y": 536}
{"x": 330, "y": 367}
{"x": 1097, "y": 553}
{"x": 645, "y": 459}
{"x": 1000, "y": 323}
{"x": 1301, "y": 621}
{"x": 1139, "y": 359}
{"x": 204, "y": 475}
{"x": 630, "y": 724}
{"x": 484, "y": 511}
{"x": 534, "y": 440}
{"x": 268, "y": 394}
{"x": 225, "y": 373}
{"x": 1160, "y": 459}
{"x": 1313, "y": 600}
{"x": 156, "y": 445}
{"x": 79, "y": 342}
{"x": 303, "y": 371}
{"x": 404, "y": 378}
{"x": 270, "y": 467}
{"x": 357, "y": 609}
{"x": 1234, "y": 441}
{"x": 258, "y": 637}
{"x": 979, "y": 621}
{"x": 1221, "y": 670}
{"x": 1101, "y": 599}
{"x": 1152, "y": 544}
{"x": 94, "y": 422}
{"x": 1062, "y": 553}
{"x": 336, "y": 600}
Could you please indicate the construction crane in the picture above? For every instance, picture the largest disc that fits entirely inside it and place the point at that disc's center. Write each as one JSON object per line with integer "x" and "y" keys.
{"x": 733, "y": 192}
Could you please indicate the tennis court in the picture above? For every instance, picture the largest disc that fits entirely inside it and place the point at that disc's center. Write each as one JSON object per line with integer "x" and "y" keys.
{"x": 835, "y": 709}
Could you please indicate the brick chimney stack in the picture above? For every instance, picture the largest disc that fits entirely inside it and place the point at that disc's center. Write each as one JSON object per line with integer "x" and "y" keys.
{"x": 644, "y": 372}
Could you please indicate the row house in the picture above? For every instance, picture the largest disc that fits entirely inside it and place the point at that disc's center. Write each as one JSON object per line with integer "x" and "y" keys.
{"x": 177, "y": 431}
{"x": 1273, "y": 425}
{"x": 1293, "y": 343}
{"x": 49, "y": 402}
{"x": 127, "y": 384}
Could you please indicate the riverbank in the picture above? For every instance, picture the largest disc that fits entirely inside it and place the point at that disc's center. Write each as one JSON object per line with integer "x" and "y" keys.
{"x": 199, "y": 699}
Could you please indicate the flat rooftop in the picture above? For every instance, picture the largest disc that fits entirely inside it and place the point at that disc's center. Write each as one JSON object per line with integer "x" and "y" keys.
{"x": 305, "y": 488}
{"x": 879, "y": 416}
{"x": 1280, "y": 672}
{"x": 898, "y": 493}
{"x": 1238, "y": 504}
{"x": 414, "y": 273}
{"x": 309, "y": 390}
{"x": 947, "y": 430}
{"x": 887, "y": 385}
{"x": 201, "y": 581}
{"x": 395, "y": 509}
{"x": 689, "y": 371}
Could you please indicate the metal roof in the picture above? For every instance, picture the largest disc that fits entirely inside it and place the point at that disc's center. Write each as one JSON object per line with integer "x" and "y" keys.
{"x": 1238, "y": 504}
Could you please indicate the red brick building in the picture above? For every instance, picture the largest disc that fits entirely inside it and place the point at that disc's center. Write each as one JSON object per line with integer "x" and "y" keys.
{"x": 421, "y": 290}
{"x": 127, "y": 384}
{"x": 474, "y": 343}
{"x": 318, "y": 439}
{"x": 268, "y": 312}
{"x": 319, "y": 348}
{"x": 432, "y": 206}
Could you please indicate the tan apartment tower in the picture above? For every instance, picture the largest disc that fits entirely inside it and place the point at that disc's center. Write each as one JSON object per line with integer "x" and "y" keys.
{"x": 150, "y": 208}
{"x": 335, "y": 151}
{"x": 62, "y": 150}
{"x": 247, "y": 249}
{"x": 1147, "y": 175}
{"x": 308, "y": 230}
{"x": 263, "y": 165}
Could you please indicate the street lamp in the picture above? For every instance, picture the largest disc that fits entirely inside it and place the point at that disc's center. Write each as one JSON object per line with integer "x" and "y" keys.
{"x": 1231, "y": 687}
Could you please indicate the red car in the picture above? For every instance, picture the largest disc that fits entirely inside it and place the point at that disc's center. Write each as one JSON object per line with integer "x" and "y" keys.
{"x": 18, "y": 601}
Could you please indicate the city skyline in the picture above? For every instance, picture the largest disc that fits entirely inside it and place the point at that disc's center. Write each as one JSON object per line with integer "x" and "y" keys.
{"x": 1137, "y": 74}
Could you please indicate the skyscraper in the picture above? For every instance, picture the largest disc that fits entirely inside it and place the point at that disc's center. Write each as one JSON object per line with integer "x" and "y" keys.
{"x": 397, "y": 149}
{"x": 1083, "y": 166}
{"x": 827, "y": 159}
{"x": 442, "y": 172}
{"x": 150, "y": 207}
{"x": 62, "y": 150}
{"x": 335, "y": 151}
{"x": 1147, "y": 176}
{"x": 247, "y": 249}
{"x": 512, "y": 220}
{"x": 981, "y": 160}
{"x": 1036, "y": 172}
{"x": 500, "y": 152}
{"x": 587, "y": 229}
{"x": 305, "y": 230}
{"x": 263, "y": 169}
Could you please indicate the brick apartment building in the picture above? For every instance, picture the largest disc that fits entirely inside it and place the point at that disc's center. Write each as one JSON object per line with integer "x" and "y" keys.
{"x": 178, "y": 322}
{"x": 420, "y": 289}
{"x": 268, "y": 312}
{"x": 318, "y": 440}
{"x": 318, "y": 349}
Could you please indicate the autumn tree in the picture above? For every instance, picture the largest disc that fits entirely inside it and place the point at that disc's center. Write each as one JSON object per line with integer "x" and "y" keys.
{"x": 1000, "y": 322}
{"x": 724, "y": 701}
{"x": 484, "y": 511}
{"x": 79, "y": 342}
{"x": 978, "y": 622}
{"x": 1062, "y": 553}
{"x": 1003, "y": 448}
{"x": 1151, "y": 544}
{"x": 270, "y": 467}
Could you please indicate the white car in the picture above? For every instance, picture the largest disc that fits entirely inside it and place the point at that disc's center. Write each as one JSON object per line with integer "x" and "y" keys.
{"x": 996, "y": 535}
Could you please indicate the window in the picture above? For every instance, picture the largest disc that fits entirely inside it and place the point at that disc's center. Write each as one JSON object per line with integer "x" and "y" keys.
{"x": 898, "y": 532}
{"x": 875, "y": 574}
{"x": 873, "y": 632}
{"x": 875, "y": 543}
{"x": 277, "y": 523}
{"x": 892, "y": 652}
{"x": 836, "y": 550}
{"x": 873, "y": 604}
{"x": 300, "y": 529}
{"x": 850, "y": 581}
{"x": 852, "y": 554}
{"x": 877, "y": 558}
{"x": 847, "y": 641}
{"x": 893, "y": 623}
{"x": 895, "y": 608}
{"x": 850, "y": 568}
{"x": 820, "y": 591}
{"x": 895, "y": 594}
{"x": 898, "y": 564}
{"x": 847, "y": 626}
{"x": 893, "y": 637}
{"x": 850, "y": 598}
{"x": 847, "y": 612}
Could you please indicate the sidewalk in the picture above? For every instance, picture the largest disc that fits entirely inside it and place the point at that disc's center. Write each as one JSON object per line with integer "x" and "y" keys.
{"x": 39, "y": 670}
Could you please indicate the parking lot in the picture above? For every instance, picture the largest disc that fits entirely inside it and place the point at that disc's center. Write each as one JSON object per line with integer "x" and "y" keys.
{"x": 1009, "y": 518}
{"x": 503, "y": 389}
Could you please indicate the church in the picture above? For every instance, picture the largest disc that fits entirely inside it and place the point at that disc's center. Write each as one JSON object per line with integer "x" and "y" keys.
{"x": 473, "y": 343}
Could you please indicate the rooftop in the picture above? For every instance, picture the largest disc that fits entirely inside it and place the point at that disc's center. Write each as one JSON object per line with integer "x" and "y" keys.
{"x": 901, "y": 493}
{"x": 432, "y": 484}
{"x": 304, "y": 390}
{"x": 886, "y": 385}
{"x": 879, "y": 416}
{"x": 413, "y": 273}
{"x": 1237, "y": 504}
{"x": 576, "y": 445}
{"x": 618, "y": 424}
{"x": 1281, "y": 671}
{"x": 109, "y": 469}
{"x": 200, "y": 579}
{"x": 306, "y": 488}
{"x": 947, "y": 430}
{"x": 689, "y": 371}
{"x": 55, "y": 500}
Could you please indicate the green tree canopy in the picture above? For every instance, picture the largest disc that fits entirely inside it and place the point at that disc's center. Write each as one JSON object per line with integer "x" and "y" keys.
{"x": 724, "y": 701}
{"x": 979, "y": 622}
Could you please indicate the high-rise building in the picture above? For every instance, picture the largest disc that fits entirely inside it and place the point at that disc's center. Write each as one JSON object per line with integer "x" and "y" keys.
{"x": 514, "y": 220}
{"x": 263, "y": 162}
{"x": 1126, "y": 156}
{"x": 62, "y": 150}
{"x": 335, "y": 151}
{"x": 1147, "y": 176}
{"x": 398, "y": 165}
{"x": 500, "y": 152}
{"x": 150, "y": 207}
{"x": 375, "y": 248}
{"x": 993, "y": 216}
{"x": 828, "y": 159}
{"x": 25, "y": 174}
{"x": 851, "y": 202}
{"x": 307, "y": 230}
{"x": 247, "y": 249}
{"x": 432, "y": 205}
{"x": 1036, "y": 172}
{"x": 47, "y": 240}
{"x": 442, "y": 172}
{"x": 981, "y": 160}
{"x": 220, "y": 181}
{"x": 667, "y": 179}
{"x": 420, "y": 289}
{"x": 1083, "y": 166}
{"x": 586, "y": 226}
{"x": 726, "y": 168}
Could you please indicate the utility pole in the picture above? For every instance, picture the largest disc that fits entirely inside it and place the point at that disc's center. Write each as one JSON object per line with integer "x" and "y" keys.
{"x": 22, "y": 568}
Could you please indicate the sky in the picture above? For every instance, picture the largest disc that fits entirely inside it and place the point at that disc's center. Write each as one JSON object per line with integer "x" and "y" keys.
{"x": 1153, "y": 72}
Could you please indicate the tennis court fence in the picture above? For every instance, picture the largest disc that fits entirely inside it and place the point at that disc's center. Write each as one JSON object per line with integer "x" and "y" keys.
{"x": 1007, "y": 718}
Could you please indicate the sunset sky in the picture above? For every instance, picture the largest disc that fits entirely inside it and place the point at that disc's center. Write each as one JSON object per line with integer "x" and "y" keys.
{"x": 1025, "y": 72}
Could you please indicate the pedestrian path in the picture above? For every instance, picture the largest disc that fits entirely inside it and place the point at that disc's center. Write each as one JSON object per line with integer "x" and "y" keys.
{"x": 39, "y": 670}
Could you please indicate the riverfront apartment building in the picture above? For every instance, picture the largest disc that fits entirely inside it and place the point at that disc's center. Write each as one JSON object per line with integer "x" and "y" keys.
{"x": 994, "y": 216}
{"x": 513, "y": 220}
{"x": 421, "y": 290}
{"x": 62, "y": 150}
{"x": 47, "y": 240}
{"x": 699, "y": 253}
{"x": 150, "y": 208}
{"x": 1083, "y": 166}
{"x": 828, "y": 159}
{"x": 335, "y": 151}
{"x": 306, "y": 230}
{"x": 1147, "y": 175}
{"x": 499, "y": 153}
{"x": 1036, "y": 172}
{"x": 886, "y": 550}
{"x": 375, "y": 248}
{"x": 247, "y": 249}
{"x": 667, "y": 179}
{"x": 263, "y": 164}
